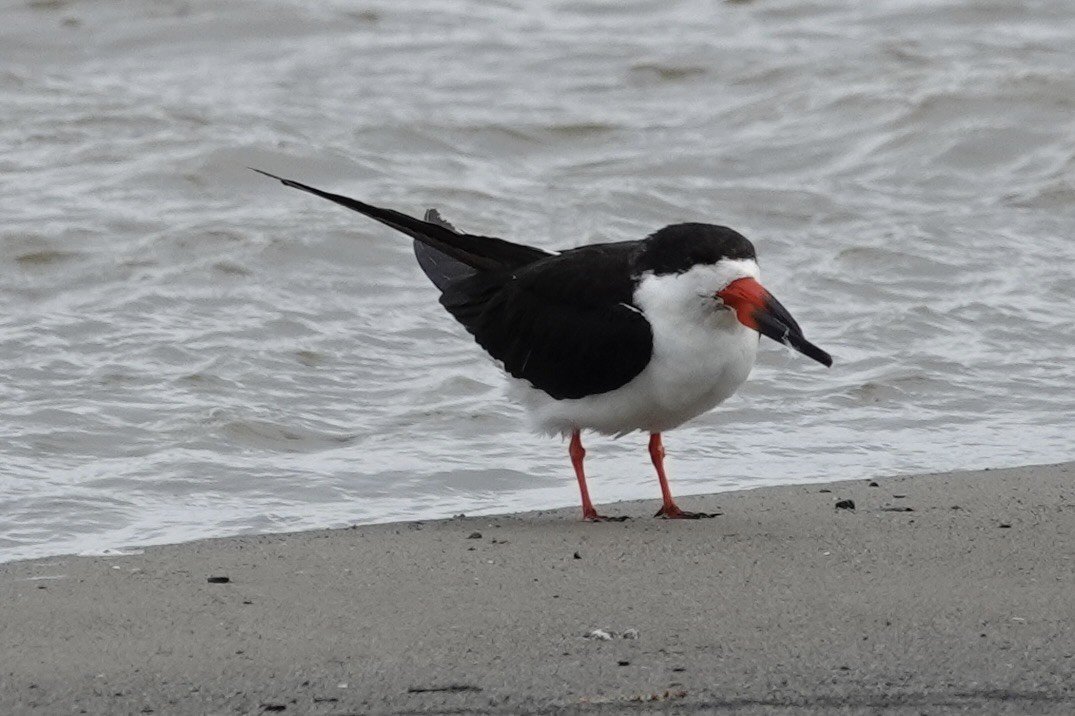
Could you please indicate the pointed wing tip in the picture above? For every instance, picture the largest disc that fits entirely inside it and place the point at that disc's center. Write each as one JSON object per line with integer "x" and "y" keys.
{"x": 267, "y": 174}
{"x": 291, "y": 183}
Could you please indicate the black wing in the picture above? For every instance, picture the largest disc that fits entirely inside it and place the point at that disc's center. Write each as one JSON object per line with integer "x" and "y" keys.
{"x": 564, "y": 322}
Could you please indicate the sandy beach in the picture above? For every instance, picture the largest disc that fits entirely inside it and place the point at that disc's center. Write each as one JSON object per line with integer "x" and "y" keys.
{"x": 935, "y": 594}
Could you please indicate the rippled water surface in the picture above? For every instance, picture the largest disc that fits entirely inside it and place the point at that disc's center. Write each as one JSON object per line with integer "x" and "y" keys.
{"x": 188, "y": 349}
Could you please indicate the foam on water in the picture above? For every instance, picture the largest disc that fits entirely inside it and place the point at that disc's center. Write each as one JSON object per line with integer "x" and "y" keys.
{"x": 188, "y": 350}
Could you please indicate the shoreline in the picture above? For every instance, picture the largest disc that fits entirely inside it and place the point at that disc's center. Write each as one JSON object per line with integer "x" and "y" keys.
{"x": 936, "y": 593}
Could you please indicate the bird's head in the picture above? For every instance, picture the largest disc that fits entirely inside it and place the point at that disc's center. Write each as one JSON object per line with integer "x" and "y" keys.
{"x": 716, "y": 269}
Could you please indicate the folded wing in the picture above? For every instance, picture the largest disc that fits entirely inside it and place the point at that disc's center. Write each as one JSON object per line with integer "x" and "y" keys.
{"x": 564, "y": 328}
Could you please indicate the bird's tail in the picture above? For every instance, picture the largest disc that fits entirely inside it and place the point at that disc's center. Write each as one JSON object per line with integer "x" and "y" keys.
{"x": 440, "y": 268}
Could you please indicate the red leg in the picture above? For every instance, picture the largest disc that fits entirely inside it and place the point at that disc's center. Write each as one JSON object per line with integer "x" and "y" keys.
{"x": 669, "y": 508}
{"x": 577, "y": 453}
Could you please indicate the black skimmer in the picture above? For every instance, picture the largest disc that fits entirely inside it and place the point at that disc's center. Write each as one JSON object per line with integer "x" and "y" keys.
{"x": 614, "y": 338}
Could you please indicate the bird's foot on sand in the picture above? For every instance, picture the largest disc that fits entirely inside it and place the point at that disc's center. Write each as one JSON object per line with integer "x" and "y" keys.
{"x": 674, "y": 513}
{"x": 594, "y": 517}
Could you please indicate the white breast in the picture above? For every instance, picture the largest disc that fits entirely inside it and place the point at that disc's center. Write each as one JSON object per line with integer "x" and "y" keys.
{"x": 701, "y": 355}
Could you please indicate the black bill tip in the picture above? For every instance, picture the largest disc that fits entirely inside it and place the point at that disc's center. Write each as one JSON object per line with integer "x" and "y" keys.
{"x": 809, "y": 350}
{"x": 775, "y": 322}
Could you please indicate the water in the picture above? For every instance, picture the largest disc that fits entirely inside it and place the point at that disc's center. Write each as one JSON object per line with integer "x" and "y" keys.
{"x": 187, "y": 349}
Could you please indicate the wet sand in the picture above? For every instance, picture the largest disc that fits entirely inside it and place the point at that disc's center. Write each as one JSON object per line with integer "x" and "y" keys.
{"x": 936, "y": 594}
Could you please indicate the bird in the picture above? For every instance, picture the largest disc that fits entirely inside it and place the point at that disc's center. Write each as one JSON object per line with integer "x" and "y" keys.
{"x": 612, "y": 338}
